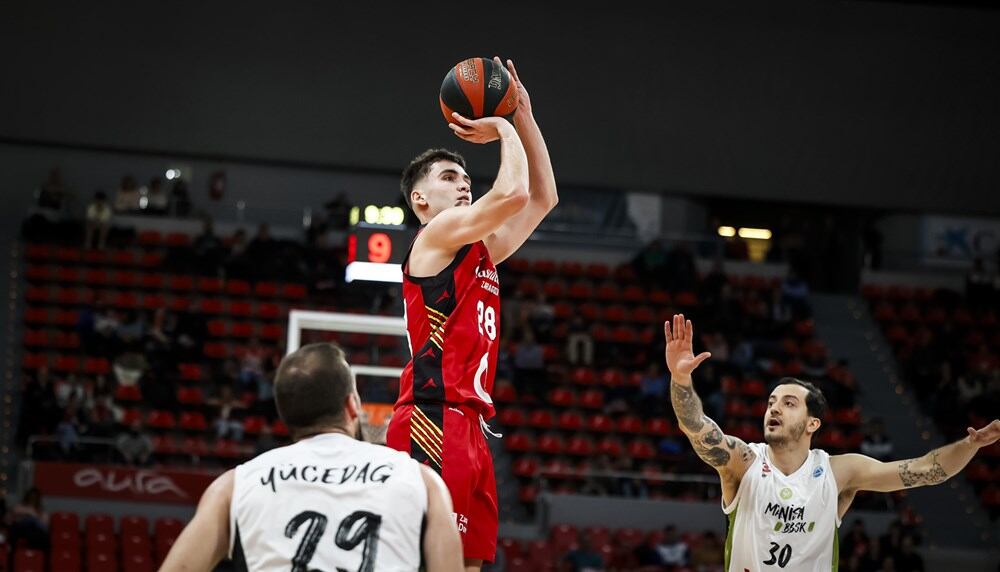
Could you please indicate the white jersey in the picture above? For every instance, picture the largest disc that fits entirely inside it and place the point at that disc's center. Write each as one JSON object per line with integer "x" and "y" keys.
{"x": 328, "y": 502}
{"x": 784, "y": 522}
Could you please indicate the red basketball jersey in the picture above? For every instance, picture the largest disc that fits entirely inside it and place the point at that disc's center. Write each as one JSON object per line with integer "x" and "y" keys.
{"x": 453, "y": 328}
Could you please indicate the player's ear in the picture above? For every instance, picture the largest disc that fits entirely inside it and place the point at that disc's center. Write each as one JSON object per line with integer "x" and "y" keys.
{"x": 352, "y": 405}
{"x": 417, "y": 198}
{"x": 814, "y": 424}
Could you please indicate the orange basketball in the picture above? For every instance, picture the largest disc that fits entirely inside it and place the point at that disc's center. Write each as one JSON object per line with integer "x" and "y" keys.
{"x": 478, "y": 87}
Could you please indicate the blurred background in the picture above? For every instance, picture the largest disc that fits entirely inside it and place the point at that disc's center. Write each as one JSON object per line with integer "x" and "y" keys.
{"x": 813, "y": 182}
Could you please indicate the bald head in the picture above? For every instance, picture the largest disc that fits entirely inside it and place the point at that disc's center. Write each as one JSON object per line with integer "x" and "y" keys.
{"x": 311, "y": 387}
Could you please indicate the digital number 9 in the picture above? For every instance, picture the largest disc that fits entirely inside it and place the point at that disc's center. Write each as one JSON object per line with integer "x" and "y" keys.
{"x": 379, "y": 247}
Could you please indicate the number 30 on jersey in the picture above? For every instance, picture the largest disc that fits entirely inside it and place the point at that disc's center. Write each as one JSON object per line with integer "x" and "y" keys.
{"x": 487, "y": 320}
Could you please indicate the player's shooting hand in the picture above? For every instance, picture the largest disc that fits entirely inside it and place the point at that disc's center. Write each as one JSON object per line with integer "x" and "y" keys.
{"x": 681, "y": 360}
{"x": 986, "y": 436}
{"x": 523, "y": 110}
{"x": 483, "y": 130}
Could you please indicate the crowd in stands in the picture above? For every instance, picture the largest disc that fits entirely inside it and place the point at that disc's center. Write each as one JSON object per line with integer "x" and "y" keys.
{"x": 573, "y": 549}
{"x": 945, "y": 342}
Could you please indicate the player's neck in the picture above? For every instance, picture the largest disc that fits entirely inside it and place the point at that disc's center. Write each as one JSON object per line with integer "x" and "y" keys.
{"x": 788, "y": 457}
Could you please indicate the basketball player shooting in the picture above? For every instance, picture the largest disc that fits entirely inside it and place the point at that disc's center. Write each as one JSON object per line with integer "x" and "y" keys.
{"x": 452, "y": 307}
{"x": 326, "y": 502}
{"x": 785, "y": 501}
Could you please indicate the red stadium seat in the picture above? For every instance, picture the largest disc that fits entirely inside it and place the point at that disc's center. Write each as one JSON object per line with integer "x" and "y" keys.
{"x": 215, "y": 350}
{"x": 592, "y": 399}
{"x": 630, "y": 424}
{"x": 562, "y": 397}
{"x": 504, "y": 392}
{"x": 599, "y": 423}
{"x": 279, "y": 428}
{"x": 293, "y": 291}
{"x": 660, "y": 428}
{"x": 597, "y": 271}
{"x": 564, "y": 537}
{"x": 268, "y": 311}
{"x": 67, "y": 364}
{"x": 611, "y": 446}
{"x": 64, "y": 557}
{"x": 161, "y": 420}
{"x": 151, "y": 260}
{"x": 265, "y": 289}
{"x": 211, "y": 306}
{"x": 240, "y": 308}
{"x": 525, "y": 467}
{"x": 570, "y": 421}
{"x": 272, "y": 332}
{"x": 128, "y": 393}
{"x": 192, "y": 421}
{"x": 541, "y": 419}
{"x": 551, "y": 444}
{"x": 153, "y": 302}
{"x": 190, "y": 396}
{"x": 102, "y": 523}
{"x": 26, "y": 560}
{"x": 520, "y": 442}
{"x": 177, "y": 239}
{"x": 580, "y": 445}
{"x": 237, "y": 288}
{"x": 123, "y": 258}
{"x": 181, "y": 283}
{"x": 150, "y": 238}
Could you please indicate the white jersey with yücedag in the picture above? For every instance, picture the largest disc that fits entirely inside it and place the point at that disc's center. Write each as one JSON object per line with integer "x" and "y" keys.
{"x": 784, "y": 522}
{"x": 325, "y": 503}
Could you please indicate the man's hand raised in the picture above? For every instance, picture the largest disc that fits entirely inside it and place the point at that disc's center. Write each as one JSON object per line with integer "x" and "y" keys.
{"x": 681, "y": 360}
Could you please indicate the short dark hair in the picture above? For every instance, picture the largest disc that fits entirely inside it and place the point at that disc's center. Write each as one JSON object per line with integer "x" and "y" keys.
{"x": 420, "y": 165}
{"x": 815, "y": 400}
{"x": 311, "y": 385}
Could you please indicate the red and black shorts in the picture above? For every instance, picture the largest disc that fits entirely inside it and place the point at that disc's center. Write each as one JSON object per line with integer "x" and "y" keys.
{"x": 450, "y": 440}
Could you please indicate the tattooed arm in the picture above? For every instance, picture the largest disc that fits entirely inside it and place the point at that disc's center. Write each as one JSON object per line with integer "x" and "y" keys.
{"x": 728, "y": 455}
{"x": 858, "y": 472}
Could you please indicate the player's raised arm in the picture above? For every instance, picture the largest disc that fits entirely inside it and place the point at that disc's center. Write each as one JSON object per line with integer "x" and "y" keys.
{"x": 730, "y": 456}
{"x": 204, "y": 542}
{"x": 861, "y": 473}
{"x": 442, "y": 546}
{"x": 541, "y": 184}
{"x": 456, "y": 227}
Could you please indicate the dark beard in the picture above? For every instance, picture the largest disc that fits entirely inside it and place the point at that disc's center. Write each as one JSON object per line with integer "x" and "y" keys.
{"x": 794, "y": 434}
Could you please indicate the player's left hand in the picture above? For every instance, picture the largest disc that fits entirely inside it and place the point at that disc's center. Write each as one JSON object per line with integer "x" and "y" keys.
{"x": 523, "y": 110}
{"x": 986, "y": 436}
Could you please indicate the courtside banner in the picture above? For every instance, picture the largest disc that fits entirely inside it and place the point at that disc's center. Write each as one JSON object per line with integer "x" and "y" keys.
{"x": 112, "y": 482}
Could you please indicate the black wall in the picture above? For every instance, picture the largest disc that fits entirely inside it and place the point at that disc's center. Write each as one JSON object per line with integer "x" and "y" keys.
{"x": 853, "y": 103}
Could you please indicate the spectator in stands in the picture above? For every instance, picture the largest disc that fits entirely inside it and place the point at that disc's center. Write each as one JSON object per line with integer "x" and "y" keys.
{"x": 584, "y": 558}
{"x": 681, "y": 272}
{"x": 854, "y": 541}
{"x": 262, "y": 252}
{"x": 338, "y": 212}
{"x": 29, "y": 523}
{"x": 103, "y": 414}
{"x": 795, "y": 293}
{"x": 97, "y": 222}
{"x": 514, "y": 314}
{"x": 181, "y": 199}
{"x": 134, "y": 445}
{"x": 541, "y": 317}
{"x": 70, "y": 390}
{"x": 710, "y": 293}
{"x": 579, "y": 342}
{"x": 875, "y": 443}
{"x": 68, "y": 432}
{"x": 672, "y": 549}
{"x": 40, "y": 411}
{"x": 707, "y": 555}
{"x": 653, "y": 391}
{"x": 238, "y": 263}
{"x": 265, "y": 441}
{"x": 907, "y": 560}
{"x": 132, "y": 330}
{"x": 227, "y": 425}
{"x": 209, "y": 251}
{"x": 742, "y": 355}
{"x": 217, "y": 185}
{"x": 128, "y": 196}
{"x": 650, "y": 263}
{"x": 52, "y": 193}
{"x": 891, "y": 542}
{"x": 252, "y": 366}
{"x": 529, "y": 366}
{"x": 157, "y": 202}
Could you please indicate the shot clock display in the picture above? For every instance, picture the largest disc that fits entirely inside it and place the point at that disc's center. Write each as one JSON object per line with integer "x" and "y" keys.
{"x": 375, "y": 252}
